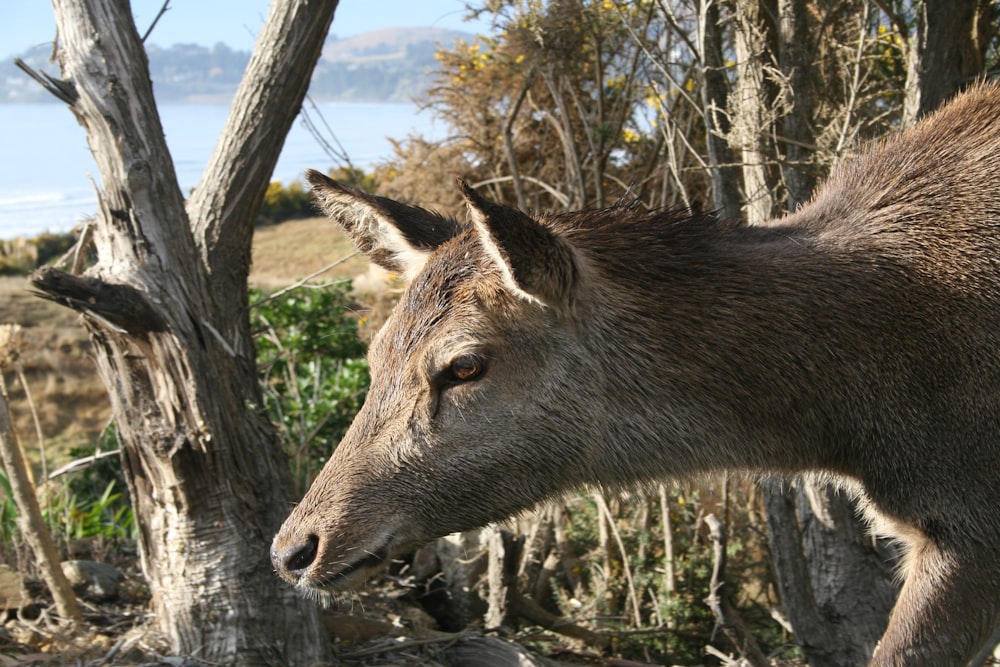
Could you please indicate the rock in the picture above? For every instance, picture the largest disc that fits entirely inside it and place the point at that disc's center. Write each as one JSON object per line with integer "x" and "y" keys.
{"x": 13, "y": 594}
{"x": 92, "y": 580}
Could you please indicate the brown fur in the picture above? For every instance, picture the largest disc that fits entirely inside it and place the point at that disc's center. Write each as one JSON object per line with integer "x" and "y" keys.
{"x": 858, "y": 338}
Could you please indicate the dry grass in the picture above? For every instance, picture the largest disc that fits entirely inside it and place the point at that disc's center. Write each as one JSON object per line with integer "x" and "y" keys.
{"x": 291, "y": 250}
{"x": 72, "y": 402}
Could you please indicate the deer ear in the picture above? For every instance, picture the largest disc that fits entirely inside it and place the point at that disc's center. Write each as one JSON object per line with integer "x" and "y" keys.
{"x": 396, "y": 236}
{"x": 536, "y": 264}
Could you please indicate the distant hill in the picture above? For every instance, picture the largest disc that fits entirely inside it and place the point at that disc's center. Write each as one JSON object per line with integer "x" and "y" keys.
{"x": 390, "y": 65}
{"x": 390, "y": 44}
{"x": 393, "y": 64}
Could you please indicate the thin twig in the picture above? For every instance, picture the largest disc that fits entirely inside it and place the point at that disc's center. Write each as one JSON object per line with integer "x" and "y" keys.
{"x": 559, "y": 196}
{"x": 159, "y": 15}
{"x": 855, "y": 85}
{"x": 727, "y": 618}
{"x": 534, "y": 613}
{"x": 303, "y": 281}
{"x": 402, "y": 643}
{"x": 668, "y": 541}
{"x": 19, "y": 369}
{"x": 336, "y": 153}
{"x": 78, "y": 464}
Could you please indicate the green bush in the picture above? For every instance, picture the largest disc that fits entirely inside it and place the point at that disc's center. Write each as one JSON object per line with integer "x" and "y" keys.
{"x": 607, "y": 600}
{"x": 8, "y": 510}
{"x": 52, "y": 246}
{"x": 281, "y": 203}
{"x": 20, "y": 256}
{"x": 313, "y": 370}
{"x": 295, "y": 201}
{"x": 94, "y": 501}
{"x": 90, "y": 503}
{"x": 108, "y": 516}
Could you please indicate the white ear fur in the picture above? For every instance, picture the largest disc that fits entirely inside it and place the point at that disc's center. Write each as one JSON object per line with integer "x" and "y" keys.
{"x": 410, "y": 259}
{"x": 479, "y": 223}
{"x": 536, "y": 264}
{"x": 374, "y": 224}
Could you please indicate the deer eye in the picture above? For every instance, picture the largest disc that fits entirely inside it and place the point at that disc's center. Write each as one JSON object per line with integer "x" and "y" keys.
{"x": 466, "y": 368}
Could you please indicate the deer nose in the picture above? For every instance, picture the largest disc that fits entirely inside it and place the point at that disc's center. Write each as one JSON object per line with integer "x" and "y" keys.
{"x": 293, "y": 562}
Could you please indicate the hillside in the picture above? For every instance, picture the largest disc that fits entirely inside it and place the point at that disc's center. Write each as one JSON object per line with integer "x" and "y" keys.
{"x": 390, "y": 44}
{"x": 390, "y": 65}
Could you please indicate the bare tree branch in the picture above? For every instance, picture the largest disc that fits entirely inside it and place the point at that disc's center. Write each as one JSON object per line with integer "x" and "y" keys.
{"x": 224, "y": 204}
{"x": 156, "y": 19}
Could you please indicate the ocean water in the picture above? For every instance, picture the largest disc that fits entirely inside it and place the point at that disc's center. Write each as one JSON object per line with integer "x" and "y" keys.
{"x": 48, "y": 176}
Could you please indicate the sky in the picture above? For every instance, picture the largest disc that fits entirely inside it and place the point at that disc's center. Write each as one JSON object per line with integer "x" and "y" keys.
{"x": 27, "y": 23}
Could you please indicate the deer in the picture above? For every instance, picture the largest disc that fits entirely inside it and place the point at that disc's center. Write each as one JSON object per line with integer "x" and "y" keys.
{"x": 857, "y": 337}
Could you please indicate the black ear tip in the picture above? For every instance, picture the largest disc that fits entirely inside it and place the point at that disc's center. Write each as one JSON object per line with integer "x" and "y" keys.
{"x": 472, "y": 198}
{"x": 466, "y": 189}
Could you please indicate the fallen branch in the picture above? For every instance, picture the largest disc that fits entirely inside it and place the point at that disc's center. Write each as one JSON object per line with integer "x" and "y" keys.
{"x": 81, "y": 463}
{"x": 531, "y": 611}
{"x": 727, "y": 618}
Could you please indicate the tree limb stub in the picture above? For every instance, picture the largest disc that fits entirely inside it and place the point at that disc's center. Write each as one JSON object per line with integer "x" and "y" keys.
{"x": 63, "y": 90}
{"x": 120, "y": 305}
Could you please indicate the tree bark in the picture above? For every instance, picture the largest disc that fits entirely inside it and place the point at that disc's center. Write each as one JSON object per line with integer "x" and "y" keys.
{"x": 750, "y": 124}
{"x": 165, "y": 305}
{"x": 715, "y": 94}
{"x": 794, "y": 58}
{"x": 945, "y": 52}
{"x": 836, "y": 588}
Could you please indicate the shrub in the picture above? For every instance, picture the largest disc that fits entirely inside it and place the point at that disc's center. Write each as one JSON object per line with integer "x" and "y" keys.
{"x": 52, "y": 246}
{"x": 313, "y": 371}
{"x": 90, "y": 503}
{"x": 281, "y": 203}
{"x": 20, "y": 256}
{"x": 295, "y": 201}
{"x": 94, "y": 501}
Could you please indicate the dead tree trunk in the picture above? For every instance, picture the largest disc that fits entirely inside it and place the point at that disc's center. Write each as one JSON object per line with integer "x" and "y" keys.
{"x": 749, "y": 111}
{"x": 715, "y": 93}
{"x": 836, "y": 588}
{"x": 165, "y": 305}
{"x": 945, "y": 52}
